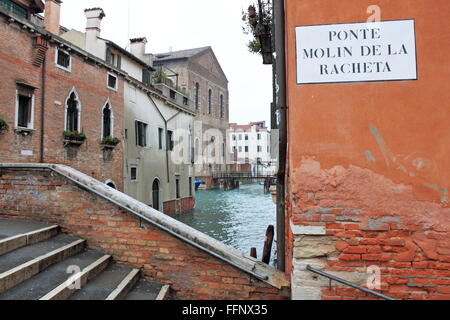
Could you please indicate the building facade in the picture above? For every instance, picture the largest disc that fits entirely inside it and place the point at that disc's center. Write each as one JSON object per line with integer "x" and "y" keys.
{"x": 55, "y": 104}
{"x": 198, "y": 72}
{"x": 250, "y": 144}
{"x": 158, "y": 123}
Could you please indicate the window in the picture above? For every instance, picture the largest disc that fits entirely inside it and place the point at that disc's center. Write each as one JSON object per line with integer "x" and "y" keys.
{"x": 246, "y": 137}
{"x": 112, "y": 81}
{"x": 107, "y": 122}
{"x": 63, "y": 60}
{"x": 246, "y": 148}
{"x": 114, "y": 59}
{"x": 133, "y": 173}
{"x": 234, "y": 149}
{"x": 177, "y": 186}
{"x": 72, "y": 113}
{"x": 185, "y": 101}
{"x": 259, "y": 148}
{"x": 141, "y": 134}
{"x": 197, "y": 95}
{"x": 170, "y": 143}
{"x": 173, "y": 94}
{"x": 221, "y": 111}
{"x": 234, "y": 137}
{"x": 259, "y": 136}
{"x": 25, "y": 108}
{"x": 240, "y": 149}
{"x": 160, "y": 138}
{"x": 14, "y": 8}
{"x": 209, "y": 101}
{"x": 240, "y": 137}
{"x": 146, "y": 77}
{"x": 190, "y": 186}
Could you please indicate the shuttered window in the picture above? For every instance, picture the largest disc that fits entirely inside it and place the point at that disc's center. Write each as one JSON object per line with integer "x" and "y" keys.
{"x": 146, "y": 77}
{"x": 141, "y": 134}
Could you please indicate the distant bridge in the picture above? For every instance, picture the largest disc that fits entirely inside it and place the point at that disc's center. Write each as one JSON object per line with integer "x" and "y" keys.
{"x": 242, "y": 176}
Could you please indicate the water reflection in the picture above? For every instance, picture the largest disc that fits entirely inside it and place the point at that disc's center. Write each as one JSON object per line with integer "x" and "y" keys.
{"x": 238, "y": 218}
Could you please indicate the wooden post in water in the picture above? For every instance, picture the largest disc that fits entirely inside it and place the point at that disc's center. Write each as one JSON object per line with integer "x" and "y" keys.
{"x": 253, "y": 253}
{"x": 268, "y": 244}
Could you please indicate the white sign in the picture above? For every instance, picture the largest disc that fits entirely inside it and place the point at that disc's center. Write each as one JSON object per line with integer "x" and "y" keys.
{"x": 356, "y": 52}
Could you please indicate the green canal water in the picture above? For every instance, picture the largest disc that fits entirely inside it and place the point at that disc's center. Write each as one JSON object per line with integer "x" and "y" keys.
{"x": 238, "y": 218}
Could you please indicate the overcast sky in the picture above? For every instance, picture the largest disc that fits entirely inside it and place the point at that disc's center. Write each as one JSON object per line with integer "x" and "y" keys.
{"x": 183, "y": 24}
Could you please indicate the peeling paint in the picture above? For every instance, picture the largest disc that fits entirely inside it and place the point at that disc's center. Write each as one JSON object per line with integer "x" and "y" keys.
{"x": 369, "y": 156}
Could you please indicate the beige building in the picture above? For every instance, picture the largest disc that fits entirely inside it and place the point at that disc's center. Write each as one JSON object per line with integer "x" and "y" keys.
{"x": 198, "y": 72}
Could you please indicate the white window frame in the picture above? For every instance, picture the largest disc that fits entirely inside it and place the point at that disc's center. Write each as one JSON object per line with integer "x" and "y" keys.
{"x": 107, "y": 81}
{"x": 147, "y": 140}
{"x": 68, "y": 69}
{"x": 16, "y": 118}
{"x": 112, "y": 119}
{"x": 79, "y": 109}
{"x": 137, "y": 173}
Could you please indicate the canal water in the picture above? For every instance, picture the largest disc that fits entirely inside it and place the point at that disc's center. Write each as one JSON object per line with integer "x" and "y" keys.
{"x": 238, "y": 218}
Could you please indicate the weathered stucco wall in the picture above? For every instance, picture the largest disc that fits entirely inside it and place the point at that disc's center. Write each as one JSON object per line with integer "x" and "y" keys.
{"x": 368, "y": 164}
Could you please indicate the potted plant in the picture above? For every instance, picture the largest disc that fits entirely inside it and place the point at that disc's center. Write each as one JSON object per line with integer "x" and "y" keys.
{"x": 252, "y": 11}
{"x": 3, "y": 125}
{"x": 110, "y": 142}
{"x": 74, "y": 137}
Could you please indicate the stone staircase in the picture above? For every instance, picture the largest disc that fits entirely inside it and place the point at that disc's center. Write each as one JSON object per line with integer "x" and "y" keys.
{"x": 37, "y": 262}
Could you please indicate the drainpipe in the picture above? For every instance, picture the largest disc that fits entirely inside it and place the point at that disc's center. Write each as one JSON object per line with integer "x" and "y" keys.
{"x": 281, "y": 109}
{"x": 165, "y": 127}
{"x": 43, "y": 81}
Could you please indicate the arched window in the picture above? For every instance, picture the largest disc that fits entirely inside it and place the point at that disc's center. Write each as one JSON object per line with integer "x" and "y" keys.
{"x": 156, "y": 195}
{"x": 197, "y": 95}
{"x": 107, "y": 122}
{"x": 72, "y": 113}
{"x": 209, "y": 101}
{"x": 221, "y": 106}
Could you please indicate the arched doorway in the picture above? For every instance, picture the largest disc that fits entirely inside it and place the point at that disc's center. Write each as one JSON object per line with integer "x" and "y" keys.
{"x": 156, "y": 195}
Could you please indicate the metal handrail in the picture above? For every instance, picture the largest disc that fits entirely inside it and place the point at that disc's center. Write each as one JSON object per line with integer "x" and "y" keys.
{"x": 347, "y": 283}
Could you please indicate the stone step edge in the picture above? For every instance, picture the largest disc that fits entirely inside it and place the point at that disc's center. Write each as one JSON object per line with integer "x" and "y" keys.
{"x": 125, "y": 286}
{"x": 24, "y": 239}
{"x": 25, "y": 271}
{"x": 79, "y": 280}
{"x": 163, "y": 293}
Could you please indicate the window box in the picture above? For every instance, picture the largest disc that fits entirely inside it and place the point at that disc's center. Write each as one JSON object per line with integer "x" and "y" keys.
{"x": 73, "y": 138}
{"x": 3, "y": 126}
{"x": 24, "y": 131}
{"x": 110, "y": 142}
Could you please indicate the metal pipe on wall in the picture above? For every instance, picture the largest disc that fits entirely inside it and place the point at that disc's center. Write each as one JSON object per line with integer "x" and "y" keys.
{"x": 281, "y": 109}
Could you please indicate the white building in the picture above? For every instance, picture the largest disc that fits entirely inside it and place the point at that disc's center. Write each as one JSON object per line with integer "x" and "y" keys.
{"x": 158, "y": 122}
{"x": 250, "y": 143}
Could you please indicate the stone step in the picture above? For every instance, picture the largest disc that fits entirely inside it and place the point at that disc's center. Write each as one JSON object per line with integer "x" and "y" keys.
{"x": 121, "y": 291}
{"x": 145, "y": 290}
{"x": 78, "y": 280}
{"x": 50, "y": 278}
{"x": 24, "y": 263}
{"x": 107, "y": 282}
{"x": 24, "y": 239}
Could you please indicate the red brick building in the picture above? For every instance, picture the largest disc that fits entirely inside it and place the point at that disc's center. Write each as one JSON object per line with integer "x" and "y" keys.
{"x": 49, "y": 86}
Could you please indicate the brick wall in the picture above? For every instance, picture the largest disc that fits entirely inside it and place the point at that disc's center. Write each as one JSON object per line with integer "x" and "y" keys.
{"x": 45, "y": 196}
{"x": 89, "y": 81}
{"x": 342, "y": 230}
{"x": 179, "y": 206}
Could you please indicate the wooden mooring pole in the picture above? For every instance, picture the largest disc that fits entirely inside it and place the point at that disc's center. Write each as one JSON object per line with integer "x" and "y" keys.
{"x": 253, "y": 253}
{"x": 268, "y": 244}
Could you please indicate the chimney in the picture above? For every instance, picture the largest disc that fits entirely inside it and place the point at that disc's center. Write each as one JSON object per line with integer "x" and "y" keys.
{"x": 52, "y": 16}
{"x": 138, "y": 47}
{"x": 94, "y": 18}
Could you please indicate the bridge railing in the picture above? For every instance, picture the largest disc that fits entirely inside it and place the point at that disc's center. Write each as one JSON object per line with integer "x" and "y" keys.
{"x": 241, "y": 175}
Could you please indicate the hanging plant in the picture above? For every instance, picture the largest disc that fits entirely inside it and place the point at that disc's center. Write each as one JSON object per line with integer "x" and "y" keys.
{"x": 3, "y": 125}
{"x": 74, "y": 137}
{"x": 259, "y": 26}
